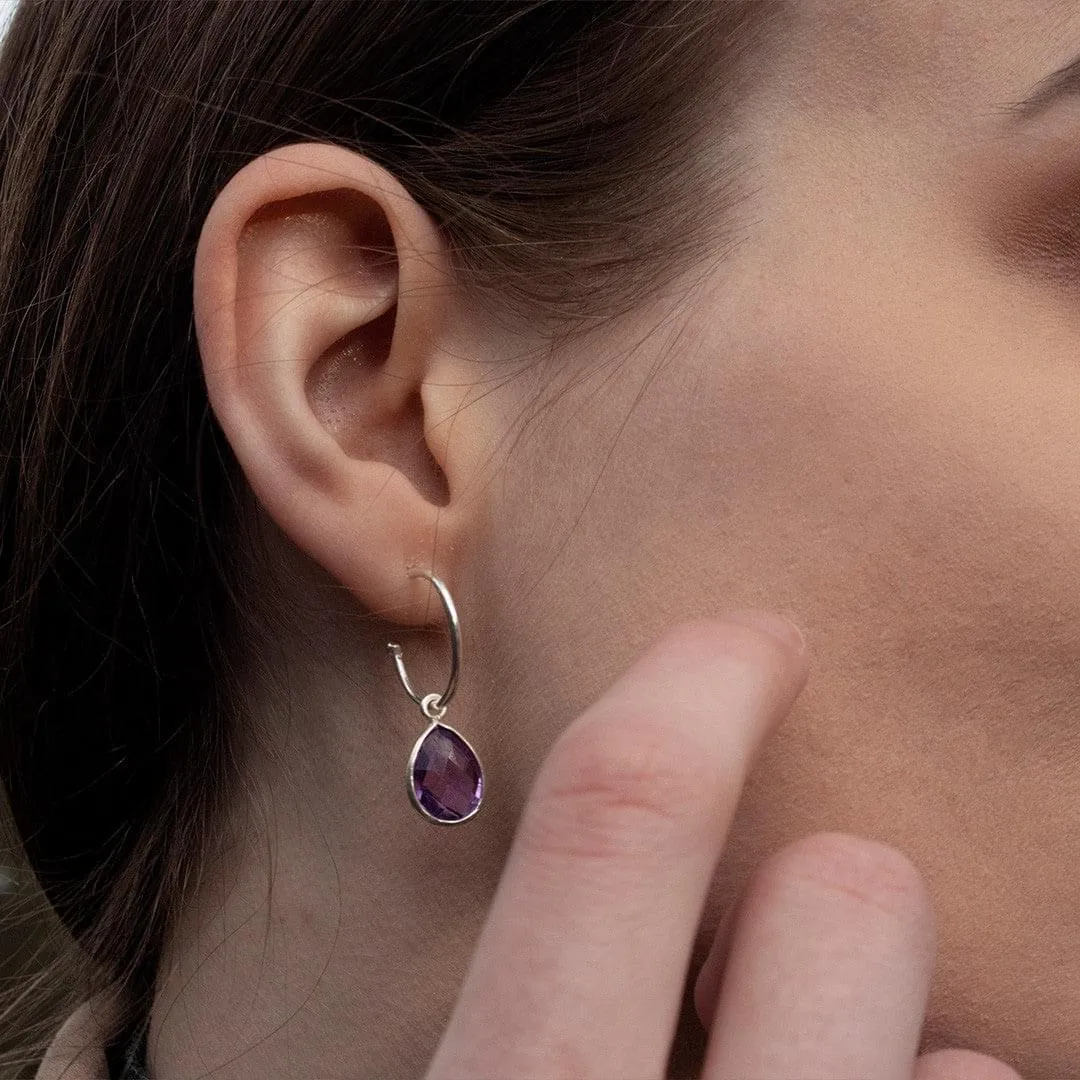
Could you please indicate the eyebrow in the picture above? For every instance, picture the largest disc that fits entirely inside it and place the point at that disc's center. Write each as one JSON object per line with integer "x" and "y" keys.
{"x": 1063, "y": 83}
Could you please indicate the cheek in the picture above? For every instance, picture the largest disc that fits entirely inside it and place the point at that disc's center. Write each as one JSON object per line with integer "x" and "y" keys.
{"x": 895, "y": 464}
{"x": 890, "y": 460}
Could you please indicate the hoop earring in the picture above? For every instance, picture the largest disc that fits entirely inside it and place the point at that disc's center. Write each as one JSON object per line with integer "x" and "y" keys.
{"x": 444, "y": 778}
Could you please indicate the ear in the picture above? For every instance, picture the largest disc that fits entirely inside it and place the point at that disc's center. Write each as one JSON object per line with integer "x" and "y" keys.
{"x": 321, "y": 295}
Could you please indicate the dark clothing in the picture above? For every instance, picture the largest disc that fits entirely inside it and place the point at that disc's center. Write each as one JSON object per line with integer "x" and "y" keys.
{"x": 127, "y": 1056}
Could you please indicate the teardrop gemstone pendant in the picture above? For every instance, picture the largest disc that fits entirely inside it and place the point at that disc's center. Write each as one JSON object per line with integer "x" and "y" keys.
{"x": 445, "y": 779}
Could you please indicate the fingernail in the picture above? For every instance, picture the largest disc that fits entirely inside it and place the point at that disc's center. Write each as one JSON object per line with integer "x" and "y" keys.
{"x": 777, "y": 626}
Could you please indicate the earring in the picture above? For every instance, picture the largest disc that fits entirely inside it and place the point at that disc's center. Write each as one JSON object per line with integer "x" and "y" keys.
{"x": 444, "y": 777}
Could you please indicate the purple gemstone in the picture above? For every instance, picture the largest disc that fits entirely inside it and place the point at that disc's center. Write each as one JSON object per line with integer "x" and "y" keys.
{"x": 446, "y": 775}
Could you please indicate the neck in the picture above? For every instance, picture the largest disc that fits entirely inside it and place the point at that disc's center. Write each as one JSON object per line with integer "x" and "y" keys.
{"x": 328, "y": 933}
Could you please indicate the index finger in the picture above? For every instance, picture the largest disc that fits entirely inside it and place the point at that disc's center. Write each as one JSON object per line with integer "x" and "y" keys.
{"x": 580, "y": 965}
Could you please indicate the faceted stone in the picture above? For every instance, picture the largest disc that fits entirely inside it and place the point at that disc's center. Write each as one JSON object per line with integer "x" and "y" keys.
{"x": 446, "y": 775}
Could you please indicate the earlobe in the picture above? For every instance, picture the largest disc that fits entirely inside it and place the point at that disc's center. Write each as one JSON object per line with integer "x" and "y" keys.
{"x": 320, "y": 288}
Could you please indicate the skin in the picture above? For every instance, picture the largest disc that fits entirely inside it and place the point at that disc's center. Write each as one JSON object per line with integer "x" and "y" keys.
{"x": 863, "y": 417}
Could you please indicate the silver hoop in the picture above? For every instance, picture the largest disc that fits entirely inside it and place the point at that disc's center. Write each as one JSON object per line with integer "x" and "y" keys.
{"x": 434, "y": 705}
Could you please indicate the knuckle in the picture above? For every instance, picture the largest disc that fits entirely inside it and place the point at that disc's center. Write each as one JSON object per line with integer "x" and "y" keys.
{"x": 862, "y": 873}
{"x": 612, "y": 788}
{"x": 962, "y": 1065}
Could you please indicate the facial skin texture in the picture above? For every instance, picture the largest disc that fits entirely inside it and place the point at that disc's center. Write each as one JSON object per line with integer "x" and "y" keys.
{"x": 865, "y": 416}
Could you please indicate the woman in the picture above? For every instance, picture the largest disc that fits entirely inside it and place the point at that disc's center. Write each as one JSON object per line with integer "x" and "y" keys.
{"x": 636, "y": 328}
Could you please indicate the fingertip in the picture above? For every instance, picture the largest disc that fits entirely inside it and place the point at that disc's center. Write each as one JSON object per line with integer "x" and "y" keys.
{"x": 955, "y": 1064}
{"x": 778, "y": 626}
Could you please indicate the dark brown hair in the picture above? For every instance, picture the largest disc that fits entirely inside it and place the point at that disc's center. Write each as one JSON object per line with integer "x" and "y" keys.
{"x": 561, "y": 147}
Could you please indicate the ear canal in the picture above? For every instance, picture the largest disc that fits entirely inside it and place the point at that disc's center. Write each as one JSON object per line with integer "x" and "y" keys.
{"x": 371, "y": 421}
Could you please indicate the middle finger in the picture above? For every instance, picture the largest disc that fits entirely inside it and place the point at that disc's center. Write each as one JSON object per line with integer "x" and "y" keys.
{"x": 829, "y": 966}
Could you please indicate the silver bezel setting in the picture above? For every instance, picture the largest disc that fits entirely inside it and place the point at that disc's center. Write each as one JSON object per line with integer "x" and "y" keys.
{"x": 412, "y": 762}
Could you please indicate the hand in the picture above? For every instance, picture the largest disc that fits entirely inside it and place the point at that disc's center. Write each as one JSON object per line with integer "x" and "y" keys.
{"x": 580, "y": 967}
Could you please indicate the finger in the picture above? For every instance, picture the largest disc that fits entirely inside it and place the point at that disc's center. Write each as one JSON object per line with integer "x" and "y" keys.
{"x": 829, "y": 967}
{"x": 580, "y": 966}
{"x": 962, "y": 1065}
